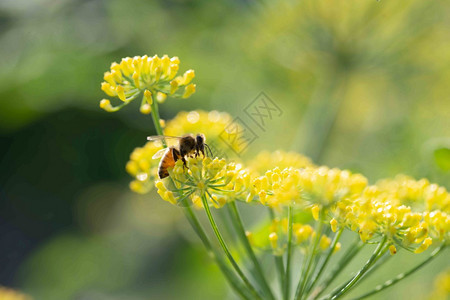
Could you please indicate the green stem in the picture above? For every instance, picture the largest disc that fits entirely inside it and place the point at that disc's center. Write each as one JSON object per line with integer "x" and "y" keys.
{"x": 376, "y": 255}
{"x": 379, "y": 263}
{"x": 226, "y": 250}
{"x": 325, "y": 261}
{"x": 376, "y": 264}
{"x": 351, "y": 252}
{"x": 118, "y": 107}
{"x": 305, "y": 273}
{"x": 280, "y": 270}
{"x": 239, "y": 227}
{"x": 229, "y": 275}
{"x": 403, "y": 275}
{"x": 320, "y": 116}
{"x": 156, "y": 119}
{"x": 279, "y": 261}
{"x": 287, "y": 281}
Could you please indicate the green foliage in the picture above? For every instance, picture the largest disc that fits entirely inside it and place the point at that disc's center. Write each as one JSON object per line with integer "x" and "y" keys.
{"x": 442, "y": 158}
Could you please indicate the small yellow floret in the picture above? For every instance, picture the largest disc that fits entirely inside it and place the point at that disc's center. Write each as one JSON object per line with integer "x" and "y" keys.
{"x": 337, "y": 248}
{"x": 106, "y": 105}
{"x": 148, "y": 97}
{"x": 189, "y": 90}
{"x": 197, "y": 201}
{"x": 121, "y": 93}
{"x": 138, "y": 187}
{"x": 315, "y": 212}
{"x": 303, "y": 233}
{"x": 333, "y": 224}
{"x": 161, "y": 97}
{"x": 249, "y": 236}
{"x": 325, "y": 242}
{"x": 392, "y": 249}
{"x": 107, "y": 88}
{"x": 146, "y": 109}
{"x": 424, "y": 246}
{"x": 188, "y": 76}
{"x": 273, "y": 238}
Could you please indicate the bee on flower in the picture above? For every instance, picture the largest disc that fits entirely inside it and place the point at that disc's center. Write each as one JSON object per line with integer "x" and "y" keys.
{"x": 214, "y": 125}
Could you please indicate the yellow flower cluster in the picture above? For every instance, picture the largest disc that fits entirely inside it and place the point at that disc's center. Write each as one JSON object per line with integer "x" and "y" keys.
{"x": 266, "y": 160}
{"x": 376, "y": 213}
{"x": 418, "y": 193}
{"x": 439, "y": 225}
{"x": 398, "y": 223}
{"x": 10, "y": 294}
{"x": 218, "y": 180}
{"x": 143, "y": 168}
{"x": 279, "y": 188}
{"x": 308, "y": 186}
{"x": 339, "y": 196}
{"x": 154, "y": 77}
{"x": 303, "y": 234}
{"x": 324, "y": 186}
{"x": 345, "y": 200}
{"x": 216, "y": 126}
{"x": 410, "y": 213}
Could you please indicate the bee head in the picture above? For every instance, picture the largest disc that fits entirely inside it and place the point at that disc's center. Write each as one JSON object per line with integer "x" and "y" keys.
{"x": 200, "y": 139}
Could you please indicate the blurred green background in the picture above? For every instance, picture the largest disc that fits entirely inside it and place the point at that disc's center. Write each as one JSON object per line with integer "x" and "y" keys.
{"x": 362, "y": 85}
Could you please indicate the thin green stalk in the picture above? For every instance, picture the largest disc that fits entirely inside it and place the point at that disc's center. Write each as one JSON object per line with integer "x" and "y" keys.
{"x": 239, "y": 226}
{"x": 373, "y": 267}
{"x": 279, "y": 261}
{"x": 325, "y": 261}
{"x": 280, "y": 270}
{"x": 156, "y": 119}
{"x": 307, "y": 266}
{"x": 354, "y": 248}
{"x": 383, "y": 258}
{"x": 287, "y": 281}
{"x": 227, "y": 224}
{"x": 226, "y": 250}
{"x": 403, "y": 275}
{"x": 348, "y": 285}
{"x": 229, "y": 274}
{"x": 323, "y": 109}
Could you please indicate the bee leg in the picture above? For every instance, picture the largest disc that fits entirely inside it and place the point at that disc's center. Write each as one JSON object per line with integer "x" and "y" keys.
{"x": 207, "y": 149}
{"x": 177, "y": 155}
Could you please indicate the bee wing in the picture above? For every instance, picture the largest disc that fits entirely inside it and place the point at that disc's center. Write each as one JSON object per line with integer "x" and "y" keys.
{"x": 161, "y": 137}
{"x": 160, "y": 153}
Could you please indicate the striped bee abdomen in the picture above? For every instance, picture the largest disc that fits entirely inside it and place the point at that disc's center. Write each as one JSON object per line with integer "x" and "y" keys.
{"x": 168, "y": 161}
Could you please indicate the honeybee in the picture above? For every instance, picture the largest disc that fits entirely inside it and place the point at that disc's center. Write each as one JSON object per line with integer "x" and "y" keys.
{"x": 188, "y": 146}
